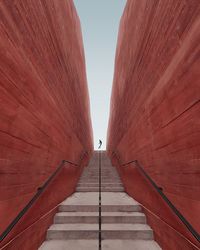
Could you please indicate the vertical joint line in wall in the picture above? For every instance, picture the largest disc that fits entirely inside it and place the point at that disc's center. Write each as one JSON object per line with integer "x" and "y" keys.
{"x": 99, "y": 200}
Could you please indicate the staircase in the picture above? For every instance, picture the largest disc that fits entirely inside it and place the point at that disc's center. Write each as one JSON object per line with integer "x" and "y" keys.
{"x": 76, "y": 225}
{"x": 110, "y": 181}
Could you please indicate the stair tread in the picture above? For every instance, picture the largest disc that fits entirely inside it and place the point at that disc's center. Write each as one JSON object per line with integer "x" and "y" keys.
{"x": 70, "y": 245}
{"x": 102, "y": 188}
{"x": 96, "y": 185}
{"x": 61, "y": 214}
{"x": 106, "y": 245}
{"x": 95, "y": 226}
{"x": 116, "y": 186}
{"x": 105, "y": 183}
{"x": 91, "y": 198}
{"x": 129, "y": 245}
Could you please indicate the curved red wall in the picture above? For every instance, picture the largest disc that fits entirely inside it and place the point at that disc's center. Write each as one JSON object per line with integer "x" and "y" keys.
{"x": 155, "y": 105}
{"x": 44, "y": 115}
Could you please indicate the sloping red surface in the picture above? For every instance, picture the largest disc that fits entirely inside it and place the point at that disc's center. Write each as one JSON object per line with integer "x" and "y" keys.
{"x": 39, "y": 217}
{"x": 155, "y": 106}
{"x": 44, "y": 116}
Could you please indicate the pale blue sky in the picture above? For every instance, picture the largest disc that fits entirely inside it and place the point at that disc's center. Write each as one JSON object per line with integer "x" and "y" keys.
{"x": 100, "y": 23}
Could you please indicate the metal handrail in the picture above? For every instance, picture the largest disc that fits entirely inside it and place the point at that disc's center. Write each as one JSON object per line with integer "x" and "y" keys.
{"x": 169, "y": 203}
{"x": 40, "y": 190}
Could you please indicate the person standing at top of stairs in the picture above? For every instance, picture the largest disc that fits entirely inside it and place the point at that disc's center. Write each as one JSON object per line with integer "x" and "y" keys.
{"x": 100, "y": 144}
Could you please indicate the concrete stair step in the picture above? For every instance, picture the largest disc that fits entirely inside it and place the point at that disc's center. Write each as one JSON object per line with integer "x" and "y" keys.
{"x": 102, "y": 187}
{"x": 106, "y": 245}
{"x": 84, "y": 184}
{"x": 72, "y": 231}
{"x": 70, "y": 245}
{"x": 97, "y": 177}
{"x": 95, "y": 208}
{"x": 118, "y": 244}
{"x": 126, "y": 231}
{"x": 96, "y": 171}
{"x": 96, "y": 189}
{"x": 103, "y": 166}
{"x": 111, "y": 180}
{"x": 102, "y": 182}
{"x": 109, "y": 231}
{"x": 97, "y": 184}
{"x": 97, "y": 181}
{"x": 93, "y": 217}
{"x": 102, "y": 174}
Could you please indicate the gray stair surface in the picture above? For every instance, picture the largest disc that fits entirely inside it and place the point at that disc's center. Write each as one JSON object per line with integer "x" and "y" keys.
{"x": 123, "y": 222}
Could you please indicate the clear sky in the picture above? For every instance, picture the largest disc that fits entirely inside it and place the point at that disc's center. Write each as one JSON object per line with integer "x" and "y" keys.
{"x": 100, "y": 23}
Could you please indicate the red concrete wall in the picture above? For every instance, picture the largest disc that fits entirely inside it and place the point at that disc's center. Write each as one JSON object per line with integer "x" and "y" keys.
{"x": 155, "y": 105}
{"x": 40, "y": 216}
{"x": 44, "y": 115}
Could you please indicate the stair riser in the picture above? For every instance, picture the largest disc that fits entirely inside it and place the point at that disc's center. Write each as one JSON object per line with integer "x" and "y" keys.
{"x": 126, "y": 235}
{"x": 103, "y": 175}
{"x": 71, "y": 235}
{"x": 76, "y": 219}
{"x": 134, "y": 235}
{"x": 109, "y": 179}
{"x": 102, "y": 180}
{"x": 102, "y": 187}
{"x": 95, "y": 208}
{"x": 97, "y": 181}
{"x": 102, "y": 190}
{"x": 119, "y": 188}
{"x": 104, "y": 219}
{"x": 96, "y": 185}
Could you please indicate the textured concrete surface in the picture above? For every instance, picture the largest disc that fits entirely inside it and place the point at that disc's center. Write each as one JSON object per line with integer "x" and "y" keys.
{"x": 155, "y": 108}
{"x": 91, "y": 231}
{"x": 85, "y": 198}
{"x": 93, "y": 245}
{"x": 129, "y": 245}
{"x": 70, "y": 245}
{"x": 89, "y": 181}
{"x": 44, "y": 115}
{"x": 78, "y": 218}
{"x": 114, "y": 198}
{"x": 93, "y": 217}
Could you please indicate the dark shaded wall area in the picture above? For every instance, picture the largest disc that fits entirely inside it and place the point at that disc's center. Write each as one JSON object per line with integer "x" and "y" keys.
{"x": 44, "y": 105}
{"x": 155, "y": 107}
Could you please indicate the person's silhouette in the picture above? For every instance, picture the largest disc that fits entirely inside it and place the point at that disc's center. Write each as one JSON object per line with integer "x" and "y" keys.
{"x": 100, "y": 143}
